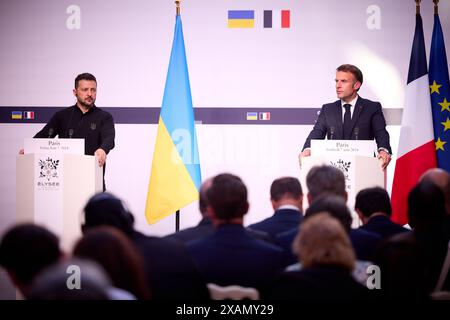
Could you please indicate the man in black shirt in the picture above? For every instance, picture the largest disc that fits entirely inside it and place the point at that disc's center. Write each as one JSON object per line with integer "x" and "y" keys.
{"x": 84, "y": 120}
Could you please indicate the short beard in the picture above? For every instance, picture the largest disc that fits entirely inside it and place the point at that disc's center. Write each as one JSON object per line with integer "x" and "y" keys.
{"x": 87, "y": 106}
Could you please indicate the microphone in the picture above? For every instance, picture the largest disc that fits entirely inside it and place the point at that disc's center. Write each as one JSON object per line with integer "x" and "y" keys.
{"x": 331, "y": 133}
{"x": 356, "y": 132}
{"x": 50, "y": 132}
{"x": 70, "y": 133}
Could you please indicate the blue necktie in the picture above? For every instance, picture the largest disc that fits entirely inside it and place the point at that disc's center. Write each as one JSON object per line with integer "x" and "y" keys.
{"x": 347, "y": 122}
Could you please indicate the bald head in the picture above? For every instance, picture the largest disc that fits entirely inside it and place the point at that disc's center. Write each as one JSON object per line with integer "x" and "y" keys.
{"x": 440, "y": 178}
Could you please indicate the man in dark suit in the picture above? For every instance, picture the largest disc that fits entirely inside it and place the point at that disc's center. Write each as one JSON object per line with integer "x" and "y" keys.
{"x": 374, "y": 209}
{"x": 230, "y": 256}
{"x": 205, "y": 226}
{"x": 351, "y": 117}
{"x": 171, "y": 272}
{"x": 328, "y": 180}
{"x": 286, "y": 197}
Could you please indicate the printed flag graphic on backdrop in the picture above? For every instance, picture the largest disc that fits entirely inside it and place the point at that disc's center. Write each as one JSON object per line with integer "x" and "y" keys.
{"x": 28, "y": 114}
{"x": 416, "y": 150}
{"x": 16, "y": 114}
{"x": 440, "y": 96}
{"x": 175, "y": 175}
{"x": 277, "y": 18}
{"x": 241, "y": 18}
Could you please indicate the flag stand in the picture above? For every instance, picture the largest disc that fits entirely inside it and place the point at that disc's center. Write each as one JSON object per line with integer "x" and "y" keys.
{"x": 177, "y": 221}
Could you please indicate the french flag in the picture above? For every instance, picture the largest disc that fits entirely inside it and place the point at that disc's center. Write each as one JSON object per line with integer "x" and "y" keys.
{"x": 416, "y": 150}
{"x": 28, "y": 114}
{"x": 277, "y": 18}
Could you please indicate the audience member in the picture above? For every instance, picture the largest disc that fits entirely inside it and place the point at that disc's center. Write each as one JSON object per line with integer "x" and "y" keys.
{"x": 205, "y": 226}
{"x": 286, "y": 197}
{"x": 109, "y": 247}
{"x": 25, "y": 250}
{"x": 230, "y": 256}
{"x": 328, "y": 259}
{"x": 374, "y": 209}
{"x": 170, "y": 270}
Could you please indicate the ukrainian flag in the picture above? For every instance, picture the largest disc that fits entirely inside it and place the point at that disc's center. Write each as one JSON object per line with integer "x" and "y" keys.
{"x": 241, "y": 18}
{"x": 175, "y": 176}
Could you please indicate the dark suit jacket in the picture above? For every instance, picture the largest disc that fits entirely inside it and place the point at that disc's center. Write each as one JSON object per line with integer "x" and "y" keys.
{"x": 367, "y": 123}
{"x": 319, "y": 283}
{"x": 171, "y": 271}
{"x": 383, "y": 226}
{"x": 364, "y": 243}
{"x": 206, "y": 228}
{"x": 282, "y": 220}
{"x": 231, "y": 257}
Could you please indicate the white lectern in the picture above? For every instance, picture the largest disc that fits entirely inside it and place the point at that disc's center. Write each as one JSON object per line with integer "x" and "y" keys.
{"x": 355, "y": 158}
{"x": 54, "y": 181}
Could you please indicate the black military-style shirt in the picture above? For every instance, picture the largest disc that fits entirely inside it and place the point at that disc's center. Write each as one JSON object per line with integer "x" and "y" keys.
{"x": 95, "y": 126}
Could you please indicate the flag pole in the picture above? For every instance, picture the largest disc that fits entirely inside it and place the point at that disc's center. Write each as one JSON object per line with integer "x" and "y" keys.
{"x": 177, "y": 213}
{"x": 436, "y": 8}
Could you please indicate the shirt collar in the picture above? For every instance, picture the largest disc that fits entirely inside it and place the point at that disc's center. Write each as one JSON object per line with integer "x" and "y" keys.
{"x": 353, "y": 102}
{"x": 288, "y": 206}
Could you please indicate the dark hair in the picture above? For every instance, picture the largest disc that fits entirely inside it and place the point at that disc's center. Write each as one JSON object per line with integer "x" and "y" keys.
{"x": 353, "y": 70}
{"x": 325, "y": 179}
{"x": 335, "y": 206}
{"x": 203, "y": 199}
{"x": 372, "y": 200}
{"x": 426, "y": 205}
{"x": 27, "y": 249}
{"x": 228, "y": 196}
{"x": 106, "y": 209}
{"x": 117, "y": 255}
{"x": 84, "y": 76}
{"x": 285, "y": 187}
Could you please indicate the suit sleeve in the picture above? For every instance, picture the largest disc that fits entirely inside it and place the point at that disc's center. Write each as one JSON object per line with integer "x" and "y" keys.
{"x": 51, "y": 129}
{"x": 319, "y": 130}
{"x": 107, "y": 133}
{"x": 379, "y": 129}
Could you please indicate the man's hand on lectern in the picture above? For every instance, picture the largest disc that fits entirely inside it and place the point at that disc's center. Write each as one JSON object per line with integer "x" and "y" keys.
{"x": 101, "y": 156}
{"x": 304, "y": 153}
{"x": 385, "y": 158}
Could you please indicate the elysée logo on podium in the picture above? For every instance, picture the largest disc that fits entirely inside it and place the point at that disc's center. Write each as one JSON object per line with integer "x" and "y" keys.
{"x": 48, "y": 174}
{"x": 49, "y": 161}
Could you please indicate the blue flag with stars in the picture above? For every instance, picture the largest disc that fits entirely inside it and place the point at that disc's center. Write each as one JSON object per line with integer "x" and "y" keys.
{"x": 440, "y": 96}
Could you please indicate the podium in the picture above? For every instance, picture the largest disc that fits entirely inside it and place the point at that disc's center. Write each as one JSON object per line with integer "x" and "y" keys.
{"x": 355, "y": 158}
{"x": 54, "y": 180}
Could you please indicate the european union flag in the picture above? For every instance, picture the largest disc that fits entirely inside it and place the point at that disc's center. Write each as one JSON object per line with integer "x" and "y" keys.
{"x": 440, "y": 95}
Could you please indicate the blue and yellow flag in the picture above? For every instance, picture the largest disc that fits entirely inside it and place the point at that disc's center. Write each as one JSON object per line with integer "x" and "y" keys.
{"x": 175, "y": 177}
{"x": 440, "y": 96}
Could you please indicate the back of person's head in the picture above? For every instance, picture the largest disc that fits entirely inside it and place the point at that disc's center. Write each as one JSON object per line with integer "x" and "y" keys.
{"x": 286, "y": 187}
{"x": 325, "y": 179}
{"x": 72, "y": 279}
{"x": 426, "y": 205}
{"x": 373, "y": 200}
{"x": 357, "y": 73}
{"x": 110, "y": 248}
{"x": 106, "y": 209}
{"x": 402, "y": 267}
{"x": 203, "y": 199}
{"x": 335, "y": 206}
{"x": 441, "y": 178}
{"x": 323, "y": 241}
{"x": 228, "y": 197}
{"x": 25, "y": 250}
{"x": 84, "y": 76}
